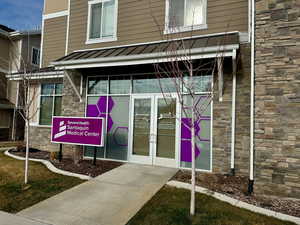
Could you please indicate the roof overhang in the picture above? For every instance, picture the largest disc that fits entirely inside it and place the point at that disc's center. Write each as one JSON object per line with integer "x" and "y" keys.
{"x": 197, "y": 47}
{"x": 198, "y": 53}
{"x": 36, "y": 75}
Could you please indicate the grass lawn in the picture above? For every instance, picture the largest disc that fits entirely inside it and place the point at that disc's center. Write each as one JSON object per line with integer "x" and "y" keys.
{"x": 43, "y": 184}
{"x": 170, "y": 206}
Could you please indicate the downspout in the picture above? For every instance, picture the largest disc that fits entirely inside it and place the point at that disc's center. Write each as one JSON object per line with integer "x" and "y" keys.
{"x": 251, "y": 175}
{"x": 233, "y": 113}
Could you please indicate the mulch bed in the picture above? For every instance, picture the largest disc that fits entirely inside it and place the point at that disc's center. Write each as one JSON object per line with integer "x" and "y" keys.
{"x": 236, "y": 187}
{"x": 84, "y": 167}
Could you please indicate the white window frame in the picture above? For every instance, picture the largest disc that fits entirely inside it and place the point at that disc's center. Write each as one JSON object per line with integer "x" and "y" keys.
{"x": 185, "y": 28}
{"x": 39, "y": 52}
{"x": 105, "y": 39}
{"x": 53, "y": 103}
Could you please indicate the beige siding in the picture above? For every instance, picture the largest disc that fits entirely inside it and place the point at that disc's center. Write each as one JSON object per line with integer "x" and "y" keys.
{"x": 3, "y": 85}
{"x": 54, "y": 43}
{"x": 34, "y": 95}
{"x": 4, "y": 53}
{"x": 136, "y": 24}
{"x": 54, "y": 6}
{"x": 27, "y": 44}
{"x": 12, "y": 91}
{"x": 14, "y": 55}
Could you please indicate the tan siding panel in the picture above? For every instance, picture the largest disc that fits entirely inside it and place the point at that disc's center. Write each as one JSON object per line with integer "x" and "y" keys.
{"x": 4, "y": 53}
{"x": 54, "y": 6}
{"x": 136, "y": 24}
{"x": 54, "y": 39}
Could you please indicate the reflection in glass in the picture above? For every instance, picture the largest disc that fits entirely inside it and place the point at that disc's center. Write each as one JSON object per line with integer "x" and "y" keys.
{"x": 46, "y": 110}
{"x": 57, "y": 106}
{"x": 48, "y": 89}
{"x": 97, "y": 86}
{"x": 154, "y": 85}
{"x": 166, "y": 128}
{"x": 118, "y": 86}
{"x": 141, "y": 126}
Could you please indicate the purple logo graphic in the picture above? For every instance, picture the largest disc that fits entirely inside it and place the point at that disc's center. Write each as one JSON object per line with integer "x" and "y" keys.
{"x": 78, "y": 131}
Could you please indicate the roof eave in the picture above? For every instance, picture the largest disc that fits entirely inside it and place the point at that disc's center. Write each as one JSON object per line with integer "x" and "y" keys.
{"x": 205, "y": 52}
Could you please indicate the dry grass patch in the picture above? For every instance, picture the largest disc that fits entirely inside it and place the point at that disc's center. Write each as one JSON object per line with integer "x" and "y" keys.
{"x": 42, "y": 184}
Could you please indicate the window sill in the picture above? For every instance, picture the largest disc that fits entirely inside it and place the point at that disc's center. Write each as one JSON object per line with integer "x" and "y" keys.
{"x": 100, "y": 40}
{"x": 185, "y": 29}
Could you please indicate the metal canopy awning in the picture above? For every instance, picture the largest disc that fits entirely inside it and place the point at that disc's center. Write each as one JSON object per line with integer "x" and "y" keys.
{"x": 42, "y": 73}
{"x": 197, "y": 47}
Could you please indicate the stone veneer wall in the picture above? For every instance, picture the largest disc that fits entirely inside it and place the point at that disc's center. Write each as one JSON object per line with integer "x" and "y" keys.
{"x": 277, "y": 98}
{"x": 71, "y": 106}
{"x": 222, "y": 118}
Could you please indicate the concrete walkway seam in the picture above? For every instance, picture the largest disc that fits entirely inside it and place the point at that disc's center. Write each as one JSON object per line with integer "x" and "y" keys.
{"x": 236, "y": 202}
{"x": 50, "y": 166}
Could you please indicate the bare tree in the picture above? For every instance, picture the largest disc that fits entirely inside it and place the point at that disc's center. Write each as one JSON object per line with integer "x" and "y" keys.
{"x": 177, "y": 63}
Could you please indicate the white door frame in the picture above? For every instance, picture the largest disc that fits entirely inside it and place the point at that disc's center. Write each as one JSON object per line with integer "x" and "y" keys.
{"x": 152, "y": 159}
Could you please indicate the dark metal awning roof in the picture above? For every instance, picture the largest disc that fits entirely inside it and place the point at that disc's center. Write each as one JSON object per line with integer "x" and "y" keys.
{"x": 198, "y": 47}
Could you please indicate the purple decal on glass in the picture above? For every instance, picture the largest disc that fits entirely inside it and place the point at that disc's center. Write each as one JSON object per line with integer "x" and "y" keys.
{"x": 92, "y": 111}
{"x": 101, "y": 104}
{"x": 118, "y": 130}
{"x": 186, "y": 151}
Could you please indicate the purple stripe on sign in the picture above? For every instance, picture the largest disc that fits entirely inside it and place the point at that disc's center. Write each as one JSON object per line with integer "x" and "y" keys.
{"x": 80, "y": 131}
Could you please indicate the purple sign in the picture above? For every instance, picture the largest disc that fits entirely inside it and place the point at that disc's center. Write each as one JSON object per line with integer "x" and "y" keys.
{"x": 77, "y": 130}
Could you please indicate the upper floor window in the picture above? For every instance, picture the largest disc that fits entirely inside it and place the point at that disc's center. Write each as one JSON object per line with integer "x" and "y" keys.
{"x": 185, "y": 15}
{"x": 102, "y": 21}
{"x": 35, "y": 56}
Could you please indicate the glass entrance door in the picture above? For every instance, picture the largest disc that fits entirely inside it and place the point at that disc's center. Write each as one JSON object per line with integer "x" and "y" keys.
{"x": 165, "y": 127}
{"x": 154, "y": 130}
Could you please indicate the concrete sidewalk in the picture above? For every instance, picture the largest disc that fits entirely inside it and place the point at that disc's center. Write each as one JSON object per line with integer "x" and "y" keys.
{"x": 10, "y": 219}
{"x": 110, "y": 199}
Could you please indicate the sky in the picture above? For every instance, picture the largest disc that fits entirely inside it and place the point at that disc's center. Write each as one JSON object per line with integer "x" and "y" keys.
{"x": 21, "y": 14}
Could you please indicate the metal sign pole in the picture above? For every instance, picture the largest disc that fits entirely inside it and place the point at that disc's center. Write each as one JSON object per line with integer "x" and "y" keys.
{"x": 95, "y": 155}
{"x": 60, "y": 153}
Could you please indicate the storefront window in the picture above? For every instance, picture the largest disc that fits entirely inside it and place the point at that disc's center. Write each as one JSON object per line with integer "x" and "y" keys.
{"x": 97, "y": 86}
{"x": 117, "y": 85}
{"x": 200, "y": 84}
{"x": 155, "y": 85}
{"x": 50, "y": 102}
{"x": 115, "y": 110}
{"x": 202, "y": 133}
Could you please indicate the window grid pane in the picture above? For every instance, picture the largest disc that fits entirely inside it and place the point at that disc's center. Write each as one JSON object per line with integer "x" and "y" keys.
{"x": 96, "y": 16}
{"x": 46, "y": 110}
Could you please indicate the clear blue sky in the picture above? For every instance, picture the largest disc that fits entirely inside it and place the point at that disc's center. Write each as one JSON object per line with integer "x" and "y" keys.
{"x": 21, "y": 14}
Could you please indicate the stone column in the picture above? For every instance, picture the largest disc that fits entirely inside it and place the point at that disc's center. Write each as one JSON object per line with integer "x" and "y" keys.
{"x": 71, "y": 106}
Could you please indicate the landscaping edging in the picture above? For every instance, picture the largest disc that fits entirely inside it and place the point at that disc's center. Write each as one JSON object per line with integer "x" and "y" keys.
{"x": 236, "y": 202}
{"x": 50, "y": 166}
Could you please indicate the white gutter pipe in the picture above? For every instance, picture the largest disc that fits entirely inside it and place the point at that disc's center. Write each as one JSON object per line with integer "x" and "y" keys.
{"x": 233, "y": 113}
{"x": 251, "y": 172}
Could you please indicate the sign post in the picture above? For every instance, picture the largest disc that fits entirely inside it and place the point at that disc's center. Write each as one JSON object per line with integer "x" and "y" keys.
{"x": 87, "y": 131}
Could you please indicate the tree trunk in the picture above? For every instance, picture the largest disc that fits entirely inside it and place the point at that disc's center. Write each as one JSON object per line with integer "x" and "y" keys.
{"x": 27, "y": 152}
{"x": 192, "y": 210}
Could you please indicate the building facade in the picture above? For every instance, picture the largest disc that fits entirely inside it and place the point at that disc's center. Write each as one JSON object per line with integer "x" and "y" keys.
{"x": 100, "y": 59}
{"x": 19, "y": 50}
